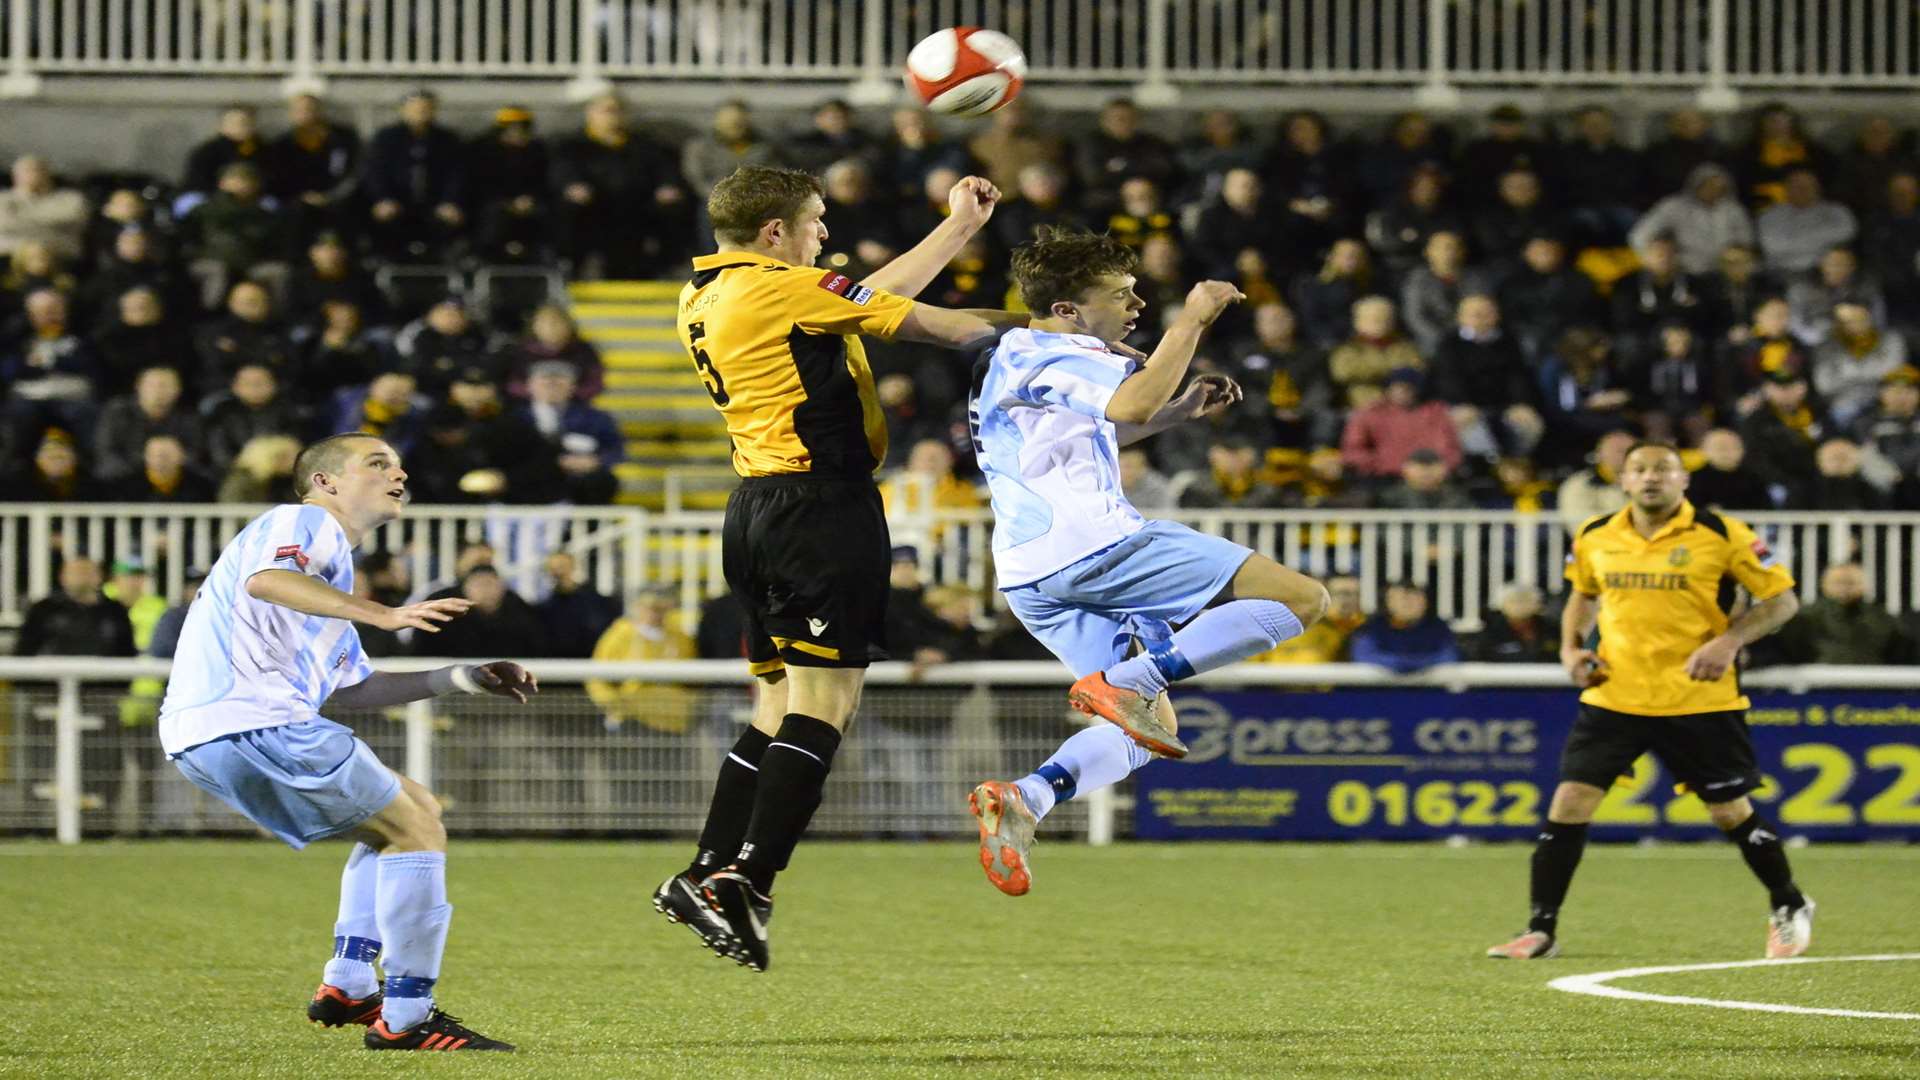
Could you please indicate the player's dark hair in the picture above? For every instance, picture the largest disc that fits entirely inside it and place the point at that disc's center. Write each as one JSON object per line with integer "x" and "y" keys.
{"x": 1062, "y": 264}
{"x": 329, "y": 455}
{"x": 1653, "y": 444}
{"x": 755, "y": 194}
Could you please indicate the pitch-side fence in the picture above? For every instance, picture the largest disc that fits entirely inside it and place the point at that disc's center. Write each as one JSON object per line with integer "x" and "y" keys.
{"x": 1717, "y": 47}
{"x": 1463, "y": 558}
{"x": 633, "y": 747}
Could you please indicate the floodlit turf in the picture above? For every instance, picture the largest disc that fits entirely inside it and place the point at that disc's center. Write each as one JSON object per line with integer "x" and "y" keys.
{"x": 1895, "y": 988}
{"x": 195, "y": 959}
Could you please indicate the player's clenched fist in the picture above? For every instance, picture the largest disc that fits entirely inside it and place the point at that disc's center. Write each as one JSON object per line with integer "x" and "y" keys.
{"x": 1209, "y": 298}
{"x": 506, "y": 679}
{"x": 973, "y": 199}
{"x": 1584, "y": 666}
{"x": 1206, "y": 395}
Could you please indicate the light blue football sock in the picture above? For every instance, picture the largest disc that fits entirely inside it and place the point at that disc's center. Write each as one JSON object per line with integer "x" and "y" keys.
{"x": 1091, "y": 758}
{"x": 413, "y": 913}
{"x": 356, "y": 933}
{"x": 1215, "y": 638}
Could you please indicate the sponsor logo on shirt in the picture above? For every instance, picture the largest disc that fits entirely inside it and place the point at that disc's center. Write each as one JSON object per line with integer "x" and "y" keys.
{"x": 292, "y": 551}
{"x": 845, "y": 287}
{"x": 340, "y": 661}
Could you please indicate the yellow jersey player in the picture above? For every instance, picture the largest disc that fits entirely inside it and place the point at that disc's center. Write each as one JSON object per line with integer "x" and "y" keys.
{"x": 804, "y": 545}
{"x": 1658, "y": 578}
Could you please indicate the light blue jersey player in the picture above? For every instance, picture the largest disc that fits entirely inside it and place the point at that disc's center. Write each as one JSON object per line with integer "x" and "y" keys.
{"x": 267, "y": 644}
{"x": 1083, "y": 571}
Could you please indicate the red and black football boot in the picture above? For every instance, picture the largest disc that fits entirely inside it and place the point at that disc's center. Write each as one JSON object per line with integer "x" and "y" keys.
{"x": 437, "y": 1032}
{"x": 332, "y": 1007}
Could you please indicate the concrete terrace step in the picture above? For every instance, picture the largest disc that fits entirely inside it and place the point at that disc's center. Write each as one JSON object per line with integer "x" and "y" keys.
{"x": 682, "y": 451}
{"x": 648, "y": 359}
{"x": 692, "y": 478}
{"x": 679, "y": 379}
{"x": 657, "y": 500}
{"x": 663, "y": 409}
{"x": 643, "y": 405}
{"x": 707, "y": 427}
{"x": 628, "y": 333}
{"x": 588, "y": 292}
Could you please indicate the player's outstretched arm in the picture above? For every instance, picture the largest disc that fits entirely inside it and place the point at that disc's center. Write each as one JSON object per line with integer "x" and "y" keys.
{"x": 954, "y": 328}
{"x": 383, "y": 688}
{"x": 1146, "y": 391}
{"x": 1204, "y": 396}
{"x": 971, "y": 202}
{"x": 312, "y": 596}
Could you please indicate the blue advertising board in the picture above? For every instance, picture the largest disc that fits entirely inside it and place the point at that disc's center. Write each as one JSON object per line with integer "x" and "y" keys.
{"x": 1424, "y": 764}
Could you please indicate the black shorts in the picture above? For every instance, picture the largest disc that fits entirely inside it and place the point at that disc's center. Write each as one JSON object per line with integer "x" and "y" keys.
{"x": 809, "y": 558}
{"x": 1710, "y": 753}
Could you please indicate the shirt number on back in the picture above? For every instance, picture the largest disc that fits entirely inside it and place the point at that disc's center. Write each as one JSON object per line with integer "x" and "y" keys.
{"x": 716, "y": 386}
{"x": 979, "y": 382}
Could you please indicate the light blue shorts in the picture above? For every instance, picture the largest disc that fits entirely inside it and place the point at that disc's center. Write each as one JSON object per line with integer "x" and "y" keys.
{"x": 302, "y": 782}
{"x": 1087, "y": 613}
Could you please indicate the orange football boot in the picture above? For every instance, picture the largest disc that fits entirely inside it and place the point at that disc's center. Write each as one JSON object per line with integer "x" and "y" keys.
{"x": 1095, "y": 696}
{"x": 1006, "y": 835}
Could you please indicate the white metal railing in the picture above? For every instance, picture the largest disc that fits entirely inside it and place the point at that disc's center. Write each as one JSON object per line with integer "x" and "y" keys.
{"x": 433, "y": 730}
{"x": 613, "y": 551}
{"x": 1715, "y": 46}
{"x": 1463, "y": 558}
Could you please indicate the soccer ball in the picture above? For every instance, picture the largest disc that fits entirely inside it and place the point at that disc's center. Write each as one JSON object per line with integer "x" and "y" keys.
{"x": 966, "y": 71}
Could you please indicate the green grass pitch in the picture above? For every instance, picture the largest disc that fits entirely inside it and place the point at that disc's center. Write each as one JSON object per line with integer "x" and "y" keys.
{"x": 194, "y": 959}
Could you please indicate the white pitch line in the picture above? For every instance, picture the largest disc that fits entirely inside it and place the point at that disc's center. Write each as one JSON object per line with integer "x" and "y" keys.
{"x": 1595, "y": 985}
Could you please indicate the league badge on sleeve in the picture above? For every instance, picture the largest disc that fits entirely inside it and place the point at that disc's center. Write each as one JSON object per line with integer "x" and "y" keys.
{"x": 1762, "y": 552}
{"x": 291, "y": 551}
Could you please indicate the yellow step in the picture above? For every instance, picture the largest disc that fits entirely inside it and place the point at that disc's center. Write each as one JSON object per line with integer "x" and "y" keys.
{"x": 624, "y": 334}
{"x": 689, "y": 428}
{"x": 689, "y": 500}
{"x": 618, "y": 309}
{"x": 649, "y": 361}
{"x": 648, "y": 355}
{"x": 691, "y": 451}
{"x": 676, "y": 402}
{"x": 681, "y": 379}
{"x": 591, "y": 291}
{"x": 690, "y": 475}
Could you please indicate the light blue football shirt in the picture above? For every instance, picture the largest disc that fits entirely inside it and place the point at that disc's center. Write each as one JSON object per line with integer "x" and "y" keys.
{"x": 1051, "y": 457}
{"x": 244, "y": 664}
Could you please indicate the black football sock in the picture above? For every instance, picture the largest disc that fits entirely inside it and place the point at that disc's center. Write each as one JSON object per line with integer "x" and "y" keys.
{"x": 1760, "y": 845}
{"x": 732, "y": 805}
{"x": 1555, "y": 858}
{"x": 793, "y": 773}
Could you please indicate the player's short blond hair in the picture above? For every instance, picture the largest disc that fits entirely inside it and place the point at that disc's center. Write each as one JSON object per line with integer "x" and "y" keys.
{"x": 329, "y": 455}
{"x": 753, "y": 195}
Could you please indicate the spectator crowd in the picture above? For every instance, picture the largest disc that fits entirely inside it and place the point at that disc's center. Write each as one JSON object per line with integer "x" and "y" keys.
{"x": 1436, "y": 319}
{"x": 172, "y": 340}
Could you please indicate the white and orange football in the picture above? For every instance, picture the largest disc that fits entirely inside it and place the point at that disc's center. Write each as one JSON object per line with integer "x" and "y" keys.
{"x": 966, "y": 71}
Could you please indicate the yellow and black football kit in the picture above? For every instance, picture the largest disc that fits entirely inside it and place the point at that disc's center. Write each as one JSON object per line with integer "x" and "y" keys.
{"x": 1661, "y": 598}
{"x": 805, "y": 545}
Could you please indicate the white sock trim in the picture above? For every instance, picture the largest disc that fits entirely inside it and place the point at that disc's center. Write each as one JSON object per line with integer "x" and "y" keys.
{"x": 799, "y": 749}
{"x": 731, "y": 756}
